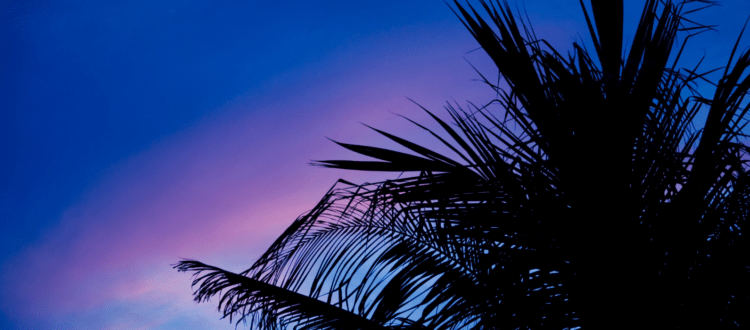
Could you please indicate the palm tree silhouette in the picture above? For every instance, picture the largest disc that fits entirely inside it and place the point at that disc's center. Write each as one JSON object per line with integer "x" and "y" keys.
{"x": 592, "y": 198}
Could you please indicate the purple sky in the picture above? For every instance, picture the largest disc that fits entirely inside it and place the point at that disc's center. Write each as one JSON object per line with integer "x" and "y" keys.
{"x": 135, "y": 133}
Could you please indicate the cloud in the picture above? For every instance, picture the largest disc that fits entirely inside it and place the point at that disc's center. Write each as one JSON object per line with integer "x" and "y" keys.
{"x": 150, "y": 310}
{"x": 220, "y": 191}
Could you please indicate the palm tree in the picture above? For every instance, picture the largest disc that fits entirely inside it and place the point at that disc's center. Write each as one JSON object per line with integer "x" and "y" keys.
{"x": 588, "y": 194}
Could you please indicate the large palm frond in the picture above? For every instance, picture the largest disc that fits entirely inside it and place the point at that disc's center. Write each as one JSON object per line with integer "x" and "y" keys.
{"x": 592, "y": 198}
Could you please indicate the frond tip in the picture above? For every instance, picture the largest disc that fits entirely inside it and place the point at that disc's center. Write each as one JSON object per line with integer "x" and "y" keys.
{"x": 245, "y": 297}
{"x": 214, "y": 281}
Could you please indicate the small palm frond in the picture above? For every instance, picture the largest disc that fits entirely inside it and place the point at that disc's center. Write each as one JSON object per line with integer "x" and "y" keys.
{"x": 244, "y": 295}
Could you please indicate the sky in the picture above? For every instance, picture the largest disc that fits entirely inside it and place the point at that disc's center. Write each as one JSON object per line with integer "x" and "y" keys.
{"x": 135, "y": 133}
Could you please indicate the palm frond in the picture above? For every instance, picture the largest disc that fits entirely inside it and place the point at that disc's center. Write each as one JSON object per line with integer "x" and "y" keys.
{"x": 587, "y": 192}
{"x": 242, "y": 296}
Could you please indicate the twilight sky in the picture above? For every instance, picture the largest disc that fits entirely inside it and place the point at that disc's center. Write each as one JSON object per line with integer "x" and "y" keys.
{"x": 134, "y": 133}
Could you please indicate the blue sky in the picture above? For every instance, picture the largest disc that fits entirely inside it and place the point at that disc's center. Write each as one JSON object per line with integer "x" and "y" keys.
{"x": 138, "y": 132}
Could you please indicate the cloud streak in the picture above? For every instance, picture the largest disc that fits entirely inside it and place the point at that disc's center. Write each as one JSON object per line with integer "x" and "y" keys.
{"x": 219, "y": 190}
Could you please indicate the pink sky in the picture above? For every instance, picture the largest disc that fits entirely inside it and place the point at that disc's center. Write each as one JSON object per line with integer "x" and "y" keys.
{"x": 222, "y": 189}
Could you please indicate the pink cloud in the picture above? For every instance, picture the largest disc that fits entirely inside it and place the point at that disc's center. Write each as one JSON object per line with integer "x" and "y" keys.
{"x": 221, "y": 190}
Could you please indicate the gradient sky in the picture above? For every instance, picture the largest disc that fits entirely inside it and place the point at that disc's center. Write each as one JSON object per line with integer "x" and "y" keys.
{"x": 134, "y": 133}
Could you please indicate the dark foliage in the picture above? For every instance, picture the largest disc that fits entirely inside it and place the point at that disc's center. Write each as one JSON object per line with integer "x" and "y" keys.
{"x": 589, "y": 197}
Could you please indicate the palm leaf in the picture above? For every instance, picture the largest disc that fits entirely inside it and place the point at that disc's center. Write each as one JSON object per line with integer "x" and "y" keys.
{"x": 597, "y": 188}
{"x": 244, "y": 295}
